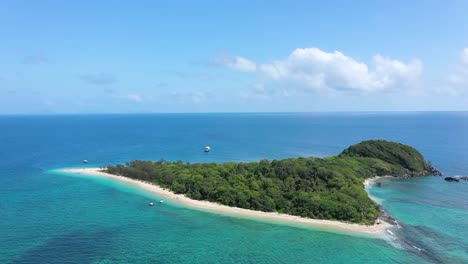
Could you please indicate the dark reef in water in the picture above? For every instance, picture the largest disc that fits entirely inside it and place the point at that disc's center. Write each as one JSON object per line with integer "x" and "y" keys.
{"x": 456, "y": 178}
{"x": 384, "y": 216}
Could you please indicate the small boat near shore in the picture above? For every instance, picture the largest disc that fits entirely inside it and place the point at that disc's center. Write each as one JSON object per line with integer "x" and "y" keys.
{"x": 85, "y": 161}
{"x": 207, "y": 149}
{"x": 151, "y": 203}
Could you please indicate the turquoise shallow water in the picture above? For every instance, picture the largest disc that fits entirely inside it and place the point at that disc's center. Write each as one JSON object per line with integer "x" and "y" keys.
{"x": 48, "y": 217}
{"x": 433, "y": 215}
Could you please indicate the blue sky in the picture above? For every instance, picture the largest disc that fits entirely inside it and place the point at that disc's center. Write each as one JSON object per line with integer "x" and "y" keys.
{"x": 232, "y": 56}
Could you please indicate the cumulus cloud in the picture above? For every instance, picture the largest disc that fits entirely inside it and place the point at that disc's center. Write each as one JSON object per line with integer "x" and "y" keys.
{"x": 236, "y": 63}
{"x": 36, "y": 59}
{"x": 320, "y": 70}
{"x": 98, "y": 79}
{"x": 315, "y": 69}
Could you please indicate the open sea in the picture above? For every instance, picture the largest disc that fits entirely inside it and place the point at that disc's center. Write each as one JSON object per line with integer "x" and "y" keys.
{"x": 52, "y": 217}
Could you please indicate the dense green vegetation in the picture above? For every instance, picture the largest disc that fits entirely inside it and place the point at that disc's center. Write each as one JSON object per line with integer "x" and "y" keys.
{"x": 394, "y": 153}
{"x": 328, "y": 188}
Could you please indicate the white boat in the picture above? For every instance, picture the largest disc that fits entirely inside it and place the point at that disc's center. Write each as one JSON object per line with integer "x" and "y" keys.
{"x": 207, "y": 149}
{"x": 161, "y": 201}
{"x": 151, "y": 204}
{"x": 85, "y": 161}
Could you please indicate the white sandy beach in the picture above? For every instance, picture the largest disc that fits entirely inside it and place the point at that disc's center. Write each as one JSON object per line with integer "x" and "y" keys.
{"x": 368, "y": 182}
{"x": 376, "y": 230}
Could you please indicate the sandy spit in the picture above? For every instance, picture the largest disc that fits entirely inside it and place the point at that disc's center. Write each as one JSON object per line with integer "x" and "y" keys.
{"x": 376, "y": 230}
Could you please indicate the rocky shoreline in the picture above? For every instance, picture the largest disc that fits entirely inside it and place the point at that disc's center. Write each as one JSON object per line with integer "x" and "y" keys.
{"x": 384, "y": 215}
{"x": 431, "y": 171}
{"x": 456, "y": 178}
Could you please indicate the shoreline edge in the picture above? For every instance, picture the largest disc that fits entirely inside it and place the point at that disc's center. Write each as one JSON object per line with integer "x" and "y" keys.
{"x": 376, "y": 230}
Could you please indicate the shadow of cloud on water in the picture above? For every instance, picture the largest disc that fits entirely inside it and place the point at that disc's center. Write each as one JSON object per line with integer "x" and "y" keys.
{"x": 75, "y": 247}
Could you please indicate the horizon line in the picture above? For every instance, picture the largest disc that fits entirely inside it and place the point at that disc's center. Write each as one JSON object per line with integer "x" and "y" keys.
{"x": 247, "y": 112}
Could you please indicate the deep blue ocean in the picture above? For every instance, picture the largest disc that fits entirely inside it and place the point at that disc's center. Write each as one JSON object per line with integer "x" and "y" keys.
{"x": 51, "y": 217}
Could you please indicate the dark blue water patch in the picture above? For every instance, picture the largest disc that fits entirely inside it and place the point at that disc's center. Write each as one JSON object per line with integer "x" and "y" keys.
{"x": 431, "y": 245}
{"x": 81, "y": 246}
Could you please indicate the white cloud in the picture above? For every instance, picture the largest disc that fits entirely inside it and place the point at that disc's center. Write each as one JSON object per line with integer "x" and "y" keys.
{"x": 130, "y": 96}
{"x": 198, "y": 97}
{"x": 464, "y": 56}
{"x": 319, "y": 70}
{"x": 193, "y": 97}
{"x": 235, "y": 63}
{"x": 456, "y": 79}
{"x": 459, "y": 78}
{"x": 262, "y": 92}
{"x": 242, "y": 64}
{"x": 134, "y": 97}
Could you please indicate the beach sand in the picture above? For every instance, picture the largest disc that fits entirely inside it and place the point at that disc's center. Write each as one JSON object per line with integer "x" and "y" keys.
{"x": 376, "y": 230}
{"x": 370, "y": 181}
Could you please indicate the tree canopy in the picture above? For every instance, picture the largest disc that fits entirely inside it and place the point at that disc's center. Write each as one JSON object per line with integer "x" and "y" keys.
{"x": 391, "y": 152}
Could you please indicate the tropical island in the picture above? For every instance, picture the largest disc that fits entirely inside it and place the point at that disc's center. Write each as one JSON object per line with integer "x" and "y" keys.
{"x": 328, "y": 193}
{"x": 328, "y": 188}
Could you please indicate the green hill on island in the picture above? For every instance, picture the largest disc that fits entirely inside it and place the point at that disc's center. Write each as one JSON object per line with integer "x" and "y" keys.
{"x": 324, "y": 188}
